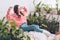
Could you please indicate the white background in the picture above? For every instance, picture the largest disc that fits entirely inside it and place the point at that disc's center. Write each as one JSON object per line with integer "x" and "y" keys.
{"x": 5, "y": 4}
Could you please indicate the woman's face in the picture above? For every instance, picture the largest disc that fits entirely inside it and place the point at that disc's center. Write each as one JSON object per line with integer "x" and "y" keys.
{"x": 19, "y": 9}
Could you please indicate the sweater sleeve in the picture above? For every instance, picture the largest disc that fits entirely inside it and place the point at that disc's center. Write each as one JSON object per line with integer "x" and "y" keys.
{"x": 24, "y": 10}
{"x": 8, "y": 16}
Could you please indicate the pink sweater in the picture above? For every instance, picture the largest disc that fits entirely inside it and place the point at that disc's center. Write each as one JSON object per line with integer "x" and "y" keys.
{"x": 18, "y": 21}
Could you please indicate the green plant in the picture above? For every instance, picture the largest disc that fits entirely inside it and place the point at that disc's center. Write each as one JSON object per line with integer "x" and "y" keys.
{"x": 44, "y": 23}
{"x": 9, "y": 31}
{"x": 47, "y": 8}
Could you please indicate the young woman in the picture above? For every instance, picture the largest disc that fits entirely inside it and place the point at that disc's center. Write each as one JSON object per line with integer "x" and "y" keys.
{"x": 19, "y": 16}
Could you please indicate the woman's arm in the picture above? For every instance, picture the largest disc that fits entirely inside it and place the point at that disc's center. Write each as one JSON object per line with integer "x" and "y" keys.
{"x": 8, "y": 16}
{"x": 24, "y": 10}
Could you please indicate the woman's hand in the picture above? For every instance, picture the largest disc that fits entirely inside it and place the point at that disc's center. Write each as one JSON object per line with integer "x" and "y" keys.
{"x": 10, "y": 7}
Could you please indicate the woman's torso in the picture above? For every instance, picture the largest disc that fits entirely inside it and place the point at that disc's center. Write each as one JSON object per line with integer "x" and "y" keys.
{"x": 18, "y": 20}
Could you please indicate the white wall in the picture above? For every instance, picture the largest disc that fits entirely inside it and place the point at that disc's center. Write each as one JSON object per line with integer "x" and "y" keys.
{"x": 4, "y": 4}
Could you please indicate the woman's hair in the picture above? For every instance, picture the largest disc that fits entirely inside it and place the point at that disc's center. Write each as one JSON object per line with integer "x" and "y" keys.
{"x": 16, "y": 10}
